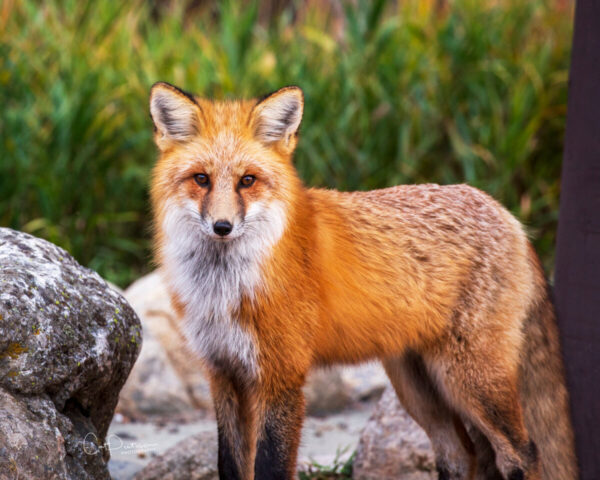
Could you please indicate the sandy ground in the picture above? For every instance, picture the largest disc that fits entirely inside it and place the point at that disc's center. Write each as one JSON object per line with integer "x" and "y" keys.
{"x": 134, "y": 445}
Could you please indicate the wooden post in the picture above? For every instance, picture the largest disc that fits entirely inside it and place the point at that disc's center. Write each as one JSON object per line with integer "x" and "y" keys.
{"x": 577, "y": 286}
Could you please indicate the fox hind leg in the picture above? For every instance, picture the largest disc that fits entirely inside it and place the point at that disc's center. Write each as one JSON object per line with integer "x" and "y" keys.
{"x": 418, "y": 394}
{"x": 486, "y": 457}
{"x": 484, "y": 390}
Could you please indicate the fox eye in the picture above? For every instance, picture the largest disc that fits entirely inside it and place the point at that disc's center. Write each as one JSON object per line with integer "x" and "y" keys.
{"x": 247, "y": 180}
{"x": 201, "y": 179}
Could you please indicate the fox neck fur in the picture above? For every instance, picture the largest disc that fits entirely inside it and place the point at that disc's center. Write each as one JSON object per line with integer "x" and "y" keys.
{"x": 212, "y": 279}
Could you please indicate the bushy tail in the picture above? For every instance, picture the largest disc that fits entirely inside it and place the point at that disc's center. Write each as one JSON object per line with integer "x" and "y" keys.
{"x": 544, "y": 394}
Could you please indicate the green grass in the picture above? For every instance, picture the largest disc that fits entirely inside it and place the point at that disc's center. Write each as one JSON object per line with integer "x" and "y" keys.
{"x": 340, "y": 470}
{"x": 476, "y": 94}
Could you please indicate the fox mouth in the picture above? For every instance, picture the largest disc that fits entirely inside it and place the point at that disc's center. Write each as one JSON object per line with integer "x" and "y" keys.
{"x": 235, "y": 234}
{"x": 219, "y": 239}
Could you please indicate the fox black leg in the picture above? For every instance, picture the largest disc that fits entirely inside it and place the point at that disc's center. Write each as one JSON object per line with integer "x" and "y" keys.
{"x": 279, "y": 437}
{"x": 235, "y": 416}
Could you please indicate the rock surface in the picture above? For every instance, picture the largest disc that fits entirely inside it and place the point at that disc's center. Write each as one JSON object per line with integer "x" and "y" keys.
{"x": 324, "y": 392}
{"x": 333, "y": 389}
{"x": 194, "y": 458}
{"x": 166, "y": 359}
{"x": 393, "y": 446}
{"x": 67, "y": 344}
{"x": 153, "y": 387}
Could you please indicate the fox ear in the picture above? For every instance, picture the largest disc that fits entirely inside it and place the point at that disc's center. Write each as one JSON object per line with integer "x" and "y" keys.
{"x": 175, "y": 114}
{"x": 276, "y": 117}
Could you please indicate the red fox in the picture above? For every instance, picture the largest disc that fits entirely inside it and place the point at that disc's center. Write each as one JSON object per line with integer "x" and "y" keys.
{"x": 272, "y": 278}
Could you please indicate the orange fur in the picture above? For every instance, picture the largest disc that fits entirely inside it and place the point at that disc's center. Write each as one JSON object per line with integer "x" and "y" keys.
{"x": 444, "y": 272}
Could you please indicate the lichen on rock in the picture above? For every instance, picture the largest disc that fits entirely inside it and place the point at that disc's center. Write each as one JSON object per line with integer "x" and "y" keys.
{"x": 67, "y": 344}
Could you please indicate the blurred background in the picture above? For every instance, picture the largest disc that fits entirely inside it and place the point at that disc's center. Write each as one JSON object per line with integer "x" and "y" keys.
{"x": 398, "y": 91}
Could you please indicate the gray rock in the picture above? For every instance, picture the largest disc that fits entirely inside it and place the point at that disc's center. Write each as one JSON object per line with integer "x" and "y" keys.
{"x": 392, "y": 446}
{"x": 325, "y": 392}
{"x": 194, "y": 458}
{"x": 153, "y": 387}
{"x": 364, "y": 382}
{"x": 67, "y": 344}
{"x": 330, "y": 390}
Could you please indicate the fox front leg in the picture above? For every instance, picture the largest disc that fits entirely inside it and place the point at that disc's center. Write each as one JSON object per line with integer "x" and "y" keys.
{"x": 236, "y": 419}
{"x": 279, "y": 435}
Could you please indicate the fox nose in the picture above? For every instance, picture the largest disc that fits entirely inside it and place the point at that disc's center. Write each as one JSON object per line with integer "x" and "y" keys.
{"x": 222, "y": 227}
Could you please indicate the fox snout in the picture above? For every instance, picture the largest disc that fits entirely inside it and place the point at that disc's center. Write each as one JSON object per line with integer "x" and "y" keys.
{"x": 222, "y": 228}
{"x": 223, "y": 211}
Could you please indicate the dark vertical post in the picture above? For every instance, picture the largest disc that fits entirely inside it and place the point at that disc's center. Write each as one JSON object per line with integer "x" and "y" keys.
{"x": 577, "y": 286}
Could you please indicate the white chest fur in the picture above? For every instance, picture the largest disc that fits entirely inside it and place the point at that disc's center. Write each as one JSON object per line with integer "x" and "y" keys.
{"x": 211, "y": 278}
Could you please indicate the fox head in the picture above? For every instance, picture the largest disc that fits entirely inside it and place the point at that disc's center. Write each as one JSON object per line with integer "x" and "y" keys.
{"x": 225, "y": 173}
